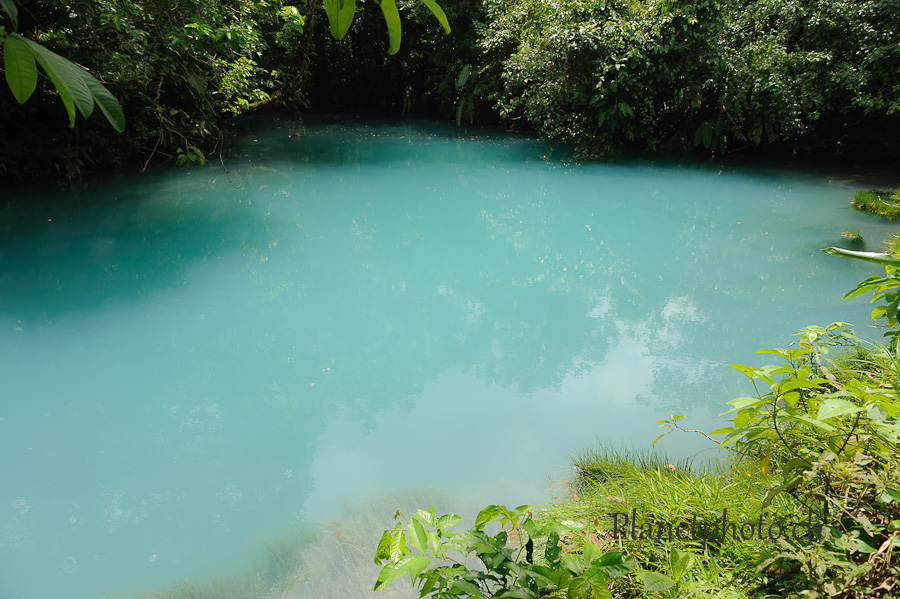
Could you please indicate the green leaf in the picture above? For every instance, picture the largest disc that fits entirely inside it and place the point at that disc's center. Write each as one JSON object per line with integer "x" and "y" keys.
{"x": 417, "y": 564}
{"x": 657, "y": 582}
{"x": 614, "y": 563}
{"x": 835, "y": 406}
{"x": 448, "y": 521}
{"x": 681, "y": 563}
{"x": 552, "y": 551}
{"x": 340, "y": 16}
{"x": 746, "y": 370}
{"x": 557, "y": 527}
{"x": 66, "y": 78}
{"x": 427, "y": 516}
{"x": 383, "y": 552}
{"x": 391, "y": 571}
{"x": 791, "y": 384}
{"x": 438, "y": 12}
{"x": 463, "y": 76}
{"x": 876, "y": 257}
{"x": 10, "y": 7}
{"x": 466, "y": 587}
{"x": 488, "y": 514}
{"x": 822, "y": 425}
{"x": 873, "y": 284}
{"x": 398, "y": 545}
{"x": 417, "y": 536}
{"x": 579, "y": 588}
{"x": 21, "y": 72}
{"x": 107, "y": 102}
{"x": 740, "y": 403}
{"x": 597, "y": 579}
{"x": 392, "y": 20}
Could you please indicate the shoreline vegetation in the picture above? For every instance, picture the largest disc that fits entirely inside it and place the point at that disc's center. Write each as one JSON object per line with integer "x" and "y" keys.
{"x": 779, "y": 78}
{"x": 880, "y": 202}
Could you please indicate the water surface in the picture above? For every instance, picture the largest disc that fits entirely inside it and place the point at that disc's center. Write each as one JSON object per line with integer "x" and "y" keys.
{"x": 197, "y": 358}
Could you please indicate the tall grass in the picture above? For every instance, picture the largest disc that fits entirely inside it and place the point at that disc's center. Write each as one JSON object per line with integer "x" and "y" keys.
{"x": 665, "y": 490}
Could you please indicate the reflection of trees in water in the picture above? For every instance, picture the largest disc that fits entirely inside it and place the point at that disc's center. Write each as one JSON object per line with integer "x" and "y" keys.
{"x": 107, "y": 243}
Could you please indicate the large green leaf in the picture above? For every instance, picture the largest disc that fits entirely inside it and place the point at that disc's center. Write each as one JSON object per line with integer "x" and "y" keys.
{"x": 417, "y": 563}
{"x": 417, "y": 536}
{"x": 438, "y": 12}
{"x": 835, "y": 406}
{"x": 448, "y": 521}
{"x": 10, "y": 7}
{"x": 107, "y": 102}
{"x": 875, "y": 283}
{"x": 66, "y": 78}
{"x": 21, "y": 72}
{"x": 876, "y": 257}
{"x": 391, "y": 571}
{"x": 657, "y": 582}
{"x": 340, "y": 16}
{"x": 392, "y": 20}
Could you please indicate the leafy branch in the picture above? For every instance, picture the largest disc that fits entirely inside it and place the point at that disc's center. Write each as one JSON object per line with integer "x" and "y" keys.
{"x": 76, "y": 86}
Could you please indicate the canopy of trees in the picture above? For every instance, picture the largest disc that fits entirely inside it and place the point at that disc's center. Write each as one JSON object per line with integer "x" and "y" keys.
{"x": 714, "y": 76}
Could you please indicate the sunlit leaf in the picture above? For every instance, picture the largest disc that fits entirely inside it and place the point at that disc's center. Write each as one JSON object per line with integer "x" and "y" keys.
{"x": 438, "y": 12}
{"x": 417, "y": 563}
{"x": 391, "y": 571}
{"x": 447, "y": 521}
{"x": 392, "y": 20}
{"x": 657, "y": 582}
{"x": 876, "y": 257}
{"x": 835, "y": 406}
{"x": 417, "y": 536}
{"x": 340, "y": 16}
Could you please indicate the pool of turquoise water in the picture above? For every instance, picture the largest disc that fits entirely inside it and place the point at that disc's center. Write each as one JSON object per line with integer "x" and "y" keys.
{"x": 197, "y": 358}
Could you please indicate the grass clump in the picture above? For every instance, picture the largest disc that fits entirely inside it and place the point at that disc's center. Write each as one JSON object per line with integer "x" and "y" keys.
{"x": 854, "y": 239}
{"x": 883, "y": 203}
{"x": 658, "y": 492}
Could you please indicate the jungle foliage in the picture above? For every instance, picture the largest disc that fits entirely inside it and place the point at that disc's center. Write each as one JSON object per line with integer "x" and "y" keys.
{"x": 720, "y": 75}
{"x": 709, "y": 76}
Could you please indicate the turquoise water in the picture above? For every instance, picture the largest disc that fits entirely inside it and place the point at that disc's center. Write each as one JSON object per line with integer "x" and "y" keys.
{"x": 195, "y": 359}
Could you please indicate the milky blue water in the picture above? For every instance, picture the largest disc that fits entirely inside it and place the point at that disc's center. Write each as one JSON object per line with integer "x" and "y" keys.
{"x": 194, "y": 359}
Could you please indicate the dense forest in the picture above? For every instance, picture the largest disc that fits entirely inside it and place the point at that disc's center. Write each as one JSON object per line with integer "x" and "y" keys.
{"x": 813, "y": 78}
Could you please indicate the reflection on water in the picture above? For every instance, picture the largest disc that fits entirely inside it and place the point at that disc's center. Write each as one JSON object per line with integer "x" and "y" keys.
{"x": 197, "y": 359}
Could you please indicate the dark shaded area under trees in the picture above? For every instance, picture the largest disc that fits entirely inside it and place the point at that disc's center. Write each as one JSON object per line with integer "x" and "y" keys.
{"x": 809, "y": 78}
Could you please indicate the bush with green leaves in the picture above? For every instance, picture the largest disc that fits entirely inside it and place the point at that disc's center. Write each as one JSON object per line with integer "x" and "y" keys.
{"x": 608, "y": 75}
{"x": 826, "y": 438}
{"x": 505, "y": 563}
